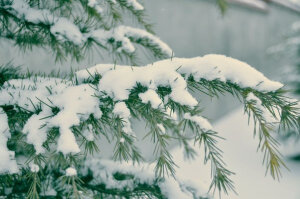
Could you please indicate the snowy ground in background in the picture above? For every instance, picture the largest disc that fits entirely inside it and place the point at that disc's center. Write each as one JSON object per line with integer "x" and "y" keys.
{"x": 241, "y": 156}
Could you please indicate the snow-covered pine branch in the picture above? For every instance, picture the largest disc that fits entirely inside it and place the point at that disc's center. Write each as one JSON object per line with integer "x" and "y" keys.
{"x": 71, "y": 28}
{"x": 53, "y": 121}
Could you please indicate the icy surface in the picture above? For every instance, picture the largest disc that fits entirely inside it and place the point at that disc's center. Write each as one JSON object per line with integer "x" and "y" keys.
{"x": 7, "y": 160}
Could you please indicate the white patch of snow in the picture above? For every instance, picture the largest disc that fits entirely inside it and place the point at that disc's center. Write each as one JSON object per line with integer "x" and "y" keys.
{"x": 265, "y": 113}
{"x": 200, "y": 121}
{"x": 65, "y": 30}
{"x": 169, "y": 73}
{"x": 71, "y": 171}
{"x": 122, "y": 140}
{"x": 103, "y": 171}
{"x": 172, "y": 114}
{"x": 22, "y": 10}
{"x": 122, "y": 34}
{"x": 88, "y": 133}
{"x": 19, "y": 91}
{"x": 8, "y": 163}
{"x": 75, "y": 103}
{"x": 135, "y": 4}
{"x": 34, "y": 168}
{"x": 162, "y": 128}
{"x": 123, "y": 112}
{"x": 37, "y": 135}
{"x": 152, "y": 97}
{"x": 259, "y": 4}
{"x": 139, "y": 33}
{"x": 96, "y": 5}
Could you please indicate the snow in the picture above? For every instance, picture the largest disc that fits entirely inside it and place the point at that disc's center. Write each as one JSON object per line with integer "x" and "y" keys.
{"x": 152, "y": 97}
{"x": 95, "y": 4}
{"x": 36, "y": 135}
{"x": 148, "y": 76}
{"x": 88, "y": 133}
{"x": 171, "y": 114}
{"x": 162, "y": 128}
{"x": 135, "y": 4}
{"x": 8, "y": 163}
{"x": 103, "y": 171}
{"x": 123, "y": 112}
{"x": 34, "y": 168}
{"x": 75, "y": 103}
{"x": 71, "y": 171}
{"x": 20, "y": 91}
{"x": 169, "y": 73}
{"x": 22, "y": 10}
{"x": 200, "y": 121}
{"x": 265, "y": 113}
{"x": 142, "y": 34}
{"x": 259, "y": 4}
{"x": 123, "y": 33}
{"x": 242, "y": 157}
{"x": 65, "y": 30}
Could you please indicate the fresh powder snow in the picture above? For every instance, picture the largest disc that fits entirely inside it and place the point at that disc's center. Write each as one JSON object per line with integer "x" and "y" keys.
{"x": 71, "y": 171}
{"x": 7, "y": 162}
{"x": 65, "y": 30}
{"x": 60, "y": 103}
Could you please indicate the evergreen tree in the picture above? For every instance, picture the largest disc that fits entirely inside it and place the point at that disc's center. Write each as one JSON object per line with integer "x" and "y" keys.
{"x": 51, "y": 126}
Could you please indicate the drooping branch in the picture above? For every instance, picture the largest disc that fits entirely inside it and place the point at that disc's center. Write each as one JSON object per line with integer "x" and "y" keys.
{"x": 44, "y": 25}
{"x": 103, "y": 99}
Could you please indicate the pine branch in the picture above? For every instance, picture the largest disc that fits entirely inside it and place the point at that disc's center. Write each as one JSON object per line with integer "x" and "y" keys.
{"x": 106, "y": 115}
{"x": 26, "y": 32}
{"x": 272, "y": 102}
